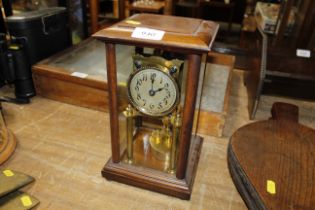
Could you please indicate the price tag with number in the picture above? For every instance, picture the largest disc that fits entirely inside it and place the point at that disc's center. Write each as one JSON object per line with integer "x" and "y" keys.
{"x": 303, "y": 53}
{"x": 147, "y": 33}
{"x": 79, "y": 74}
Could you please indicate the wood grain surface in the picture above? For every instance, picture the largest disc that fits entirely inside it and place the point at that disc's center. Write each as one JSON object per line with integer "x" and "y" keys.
{"x": 188, "y": 114}
{"x": 150, "y": 175}
{"x": 143, "y": 7}
{"x": 181, "y": 34}
{"x": 7, "y": 140}
{"x": 64, "y": 147}
{"x": 272, "y": 161}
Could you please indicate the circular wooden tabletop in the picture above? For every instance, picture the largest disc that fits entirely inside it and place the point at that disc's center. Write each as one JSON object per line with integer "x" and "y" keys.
{"x": 272, "y": 163}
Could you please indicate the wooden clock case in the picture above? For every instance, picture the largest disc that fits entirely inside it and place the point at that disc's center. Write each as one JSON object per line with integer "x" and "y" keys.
{"x": 191, "y": 37}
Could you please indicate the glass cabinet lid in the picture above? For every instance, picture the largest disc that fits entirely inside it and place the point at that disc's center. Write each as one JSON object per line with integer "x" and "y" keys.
{"x": 89, "y": 58}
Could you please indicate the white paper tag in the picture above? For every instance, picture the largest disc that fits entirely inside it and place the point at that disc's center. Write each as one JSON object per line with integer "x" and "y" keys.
{"x": 147, "y": 33}
{"x": 303, "y": 53}
{"x": 79, "y": 74}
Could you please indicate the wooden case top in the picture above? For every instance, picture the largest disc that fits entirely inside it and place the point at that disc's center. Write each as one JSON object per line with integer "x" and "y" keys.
{"x": 188, "y": 34}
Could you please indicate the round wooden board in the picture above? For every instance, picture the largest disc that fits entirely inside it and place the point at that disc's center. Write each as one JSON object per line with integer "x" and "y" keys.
{"x": 272, "y": 164}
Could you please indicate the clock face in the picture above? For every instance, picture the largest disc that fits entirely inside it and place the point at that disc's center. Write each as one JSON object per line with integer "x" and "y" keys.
{"x": 153, "y": 92}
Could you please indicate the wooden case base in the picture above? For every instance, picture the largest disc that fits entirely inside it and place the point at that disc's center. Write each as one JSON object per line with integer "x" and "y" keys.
{"x": 155, "y": 180}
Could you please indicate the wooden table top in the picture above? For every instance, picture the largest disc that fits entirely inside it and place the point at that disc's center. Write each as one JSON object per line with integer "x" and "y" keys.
{"x": 151, "y": 7}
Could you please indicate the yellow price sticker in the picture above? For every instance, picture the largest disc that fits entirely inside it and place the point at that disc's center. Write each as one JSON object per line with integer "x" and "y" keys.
{"x": 26, "y": 200}
{"x": 271, "y": 187}
{"x": 133, "y": 22}
{"x": 8, "y": 173}
{"x": 14, "y": 47}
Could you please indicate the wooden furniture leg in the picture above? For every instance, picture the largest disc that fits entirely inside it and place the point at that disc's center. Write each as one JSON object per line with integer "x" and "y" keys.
{"x": 94, "y": 12}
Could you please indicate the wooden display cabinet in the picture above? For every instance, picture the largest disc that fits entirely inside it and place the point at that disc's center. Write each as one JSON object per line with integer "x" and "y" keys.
{"x": 78, "y": 76}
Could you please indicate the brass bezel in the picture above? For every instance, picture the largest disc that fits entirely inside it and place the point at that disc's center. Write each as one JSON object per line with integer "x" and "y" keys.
{"x": 140, "y": 109}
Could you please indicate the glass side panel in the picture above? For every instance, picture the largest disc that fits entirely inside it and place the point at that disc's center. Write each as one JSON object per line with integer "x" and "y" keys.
{"x": 199, "y": 94}
{"x": 124, "y": 67}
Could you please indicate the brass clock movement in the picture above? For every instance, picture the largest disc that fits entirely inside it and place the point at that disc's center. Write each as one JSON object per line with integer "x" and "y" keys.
{"x": 153, "y": 90}
{"x": 152, "y": 100}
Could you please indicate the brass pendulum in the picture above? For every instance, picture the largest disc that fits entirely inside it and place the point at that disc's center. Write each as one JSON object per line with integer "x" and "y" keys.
{"x": 160, "y": 141}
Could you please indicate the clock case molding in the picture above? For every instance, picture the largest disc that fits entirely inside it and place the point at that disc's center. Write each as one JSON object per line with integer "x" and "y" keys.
{"x": 189, "y": 37}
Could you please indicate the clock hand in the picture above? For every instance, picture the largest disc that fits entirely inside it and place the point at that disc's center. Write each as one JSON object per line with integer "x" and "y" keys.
{"x": 151, "y": 91}
{"x": 152, "y": 80}
{"x": 158, "y": 89}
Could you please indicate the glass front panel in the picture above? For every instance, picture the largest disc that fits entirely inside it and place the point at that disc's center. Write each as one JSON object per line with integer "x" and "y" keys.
{"x": 152, "y": 92}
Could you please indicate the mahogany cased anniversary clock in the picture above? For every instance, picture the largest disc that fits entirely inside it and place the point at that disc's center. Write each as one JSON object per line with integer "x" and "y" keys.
{"x": 153, "y": 94}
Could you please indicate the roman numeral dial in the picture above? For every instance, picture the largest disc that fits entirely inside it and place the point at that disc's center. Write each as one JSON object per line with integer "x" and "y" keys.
{"x": 152, "y": 91}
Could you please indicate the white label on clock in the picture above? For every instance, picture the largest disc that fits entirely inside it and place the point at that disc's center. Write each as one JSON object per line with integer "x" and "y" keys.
{"x": 79, "y": 74}
{"x": 147, "y": 33}
{"x": 303, "y": 53}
